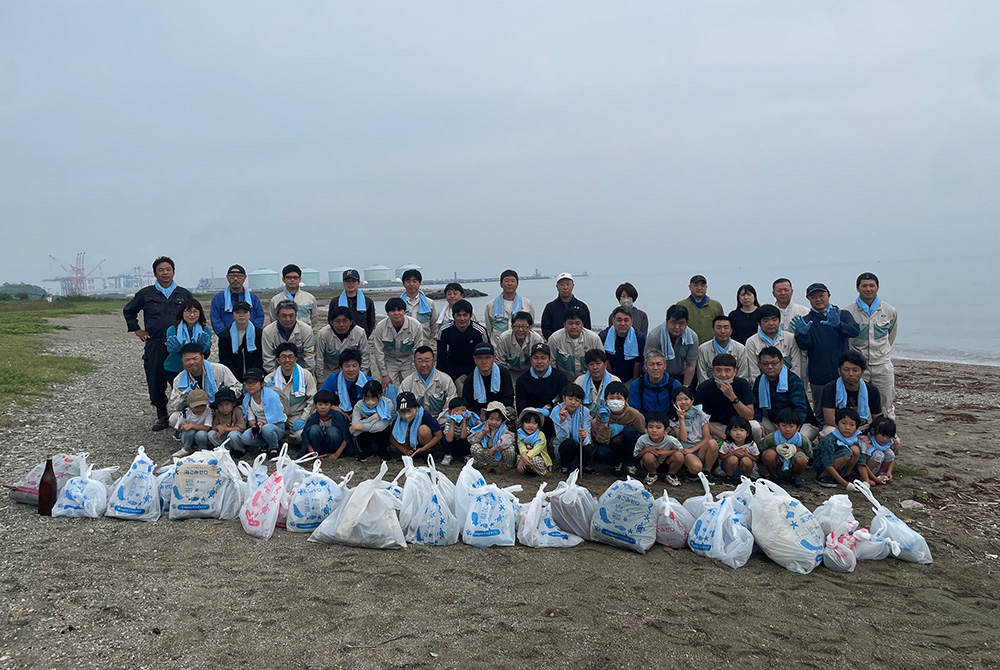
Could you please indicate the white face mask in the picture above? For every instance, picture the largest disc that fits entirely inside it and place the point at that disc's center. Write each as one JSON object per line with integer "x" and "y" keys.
{"x": 626, "y": 303}
{"x": 371, "y": 403}
{"x": 616, "y": 405}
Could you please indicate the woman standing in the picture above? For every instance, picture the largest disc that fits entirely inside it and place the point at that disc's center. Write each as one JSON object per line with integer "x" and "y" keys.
{"x": 626, "y": 295}
{"x": 744, "y": 317}
{"x": 189, "y": 326}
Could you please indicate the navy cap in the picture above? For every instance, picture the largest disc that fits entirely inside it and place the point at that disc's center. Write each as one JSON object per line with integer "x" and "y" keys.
{"x": 817, "y": 286}
{"x": 352, "y": 274}
{"x": 541, "y": 346}
{"x": 484, "y": 349}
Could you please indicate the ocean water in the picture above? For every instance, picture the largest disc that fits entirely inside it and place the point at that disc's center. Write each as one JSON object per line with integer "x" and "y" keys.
{"x": 947, "y": 310}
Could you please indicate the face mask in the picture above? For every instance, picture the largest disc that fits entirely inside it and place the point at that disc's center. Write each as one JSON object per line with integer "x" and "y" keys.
{"x": 616, "y": 405}
{"x": 371, "y": 404}
{"x": 626, "y": 303}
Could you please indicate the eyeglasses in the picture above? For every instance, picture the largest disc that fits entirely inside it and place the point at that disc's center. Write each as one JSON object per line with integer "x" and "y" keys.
{"x": 286, "y": 357}
{"x": 293, "y": 277}
{"x": 236, "y": 274}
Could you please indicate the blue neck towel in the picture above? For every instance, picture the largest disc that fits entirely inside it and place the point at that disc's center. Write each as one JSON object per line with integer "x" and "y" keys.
{"x": 604, "y": 387}
{"x": 795, "y": 440}
{"x": 401, "y": 426}
{"x": 531, "y": 440}
{"x": 545, "y": 376}
{"x": 492, "y": 441}
{"x": 846, "y": 441}
{"x": 298, "y": 381}
{"x": 251, "y": 337}
{"x": 771, "y": 341}
{"x": 229, "y": 299}
{"x": 479, "y": 388}
{"x": 498, "y": 319}
{"x": 667, "y": 344}
{"x": 362, "y": 305}
{"x": 166, "y": 291}
{"x": 187, "y": 384}
{"x": 186, "y": 333}
{"x": 384, "y": 409}
{"x": 430, "y": 377}
{"x": 764, "y": 392}
{"x": 423, "y": 308}
{"x": 841, "y": 399}
{"x": 631, "y": 343}
{"x": 343, "y": 393}
{"x": 721, "y": 350}
{"x": 864, "y": 306}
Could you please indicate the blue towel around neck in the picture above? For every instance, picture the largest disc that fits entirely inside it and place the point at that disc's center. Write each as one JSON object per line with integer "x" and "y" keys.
{"x": 430, "y": 377}
{"x": 846, "y": 441}
{"x": 228, "y": 307}
{"x": 362, "y": 305}
{"x": 764, "y": 391}
{"x": 841, "y": 399}
{"x": 590, "y": 384}
{"x": 795, "y": 440}
{"x": 631, "y": 343}
{"x": 400, "y": 427}
{"x": 384, "y": 408}
{"x": 187, "y": 384}
{"x": 342, "y": 392}
{"x": 531, "y": 440}
{"x": 166, "y": 291}
{"x": 720, "y": 350}
{"x": 545, "y": 376}
{"x": 186, "y": 333}
{"x": 864, "y": 306}
{"x": 667, "y": 344}
{"x": 424, "y": 307}
{"x": 497, "y": 312}
{"x": 251, "y": 337}
{"x": 479, "y": 388}
{"x": 764, "y": 338}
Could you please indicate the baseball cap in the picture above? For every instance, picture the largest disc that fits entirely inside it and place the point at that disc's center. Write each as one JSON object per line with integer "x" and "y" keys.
{"x": 197, "y": 398}
{"x": 406, "y": 400}
{"x": 236, "y": 266}
{"x": 564, "y": 275}
{"x": 541, "y": 346}
{"x": 484, "y": 349}
{"x": 352, "y": 274}
{"x": 222, "y": 395}
{"x": 254, "y": 373}
{"x": 817, "y": 286}
{"x": 242, "y": 306}
{"x": 698, "y": 279}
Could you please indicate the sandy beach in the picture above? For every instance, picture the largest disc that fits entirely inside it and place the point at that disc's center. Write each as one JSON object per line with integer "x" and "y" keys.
{"x": 203, "y": 594}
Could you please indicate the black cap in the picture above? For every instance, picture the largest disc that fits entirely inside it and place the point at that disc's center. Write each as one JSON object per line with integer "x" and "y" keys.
{"x": 484, "y": 349}
{"x": 406, "y": 400}
{"x": 236, "y": 266}
{"x": 698, "y": 279}
{"x": 242, "y": 305}
{"x": 254, "y": 373}
{"x": 223, "y": 394}
{"x": 352, "y": 274}
{"x": 544, "y": 348}
{"x": 817, "y": 286}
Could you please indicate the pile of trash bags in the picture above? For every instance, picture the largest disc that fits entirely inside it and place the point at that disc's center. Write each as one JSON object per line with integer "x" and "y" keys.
{"x": 421, "y": 505}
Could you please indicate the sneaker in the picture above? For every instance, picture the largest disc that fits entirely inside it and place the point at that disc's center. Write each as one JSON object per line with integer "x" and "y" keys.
{"x": 182, "y": 453}
{"x": 446, "y": 460}
{"x": 671, "y": 480}
{"x": 160, "y": 424}
{"x": 799, "y": 483}
{"x": 177, "y": 435}
{"x": 690, "y": 477}
{"x": 632, "y": 470}
{"x": 826, "y": 482}
{"x": 650, "y": 479}
{"x": 589, "y": 471}
{"x": 712, "y": 479}
{"x": 273, "y": 453}
{"x": 564, "y": 471}
{"x": 619, "y": 469}
{"x": 363, "y": 457}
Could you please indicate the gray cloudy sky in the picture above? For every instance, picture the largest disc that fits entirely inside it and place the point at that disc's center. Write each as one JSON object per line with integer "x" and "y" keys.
{"x": 514, "y": 133}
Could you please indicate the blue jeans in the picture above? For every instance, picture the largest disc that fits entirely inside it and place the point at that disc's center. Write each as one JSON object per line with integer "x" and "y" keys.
{"x": 621, "y": 448}
{"x": 194, "y": 439}
{"x": 324, "y": 441}
{"x": 235, "y": 438}
{"x": 270, "y": 433}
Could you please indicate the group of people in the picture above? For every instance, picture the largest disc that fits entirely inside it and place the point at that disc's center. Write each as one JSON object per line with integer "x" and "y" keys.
{"x": 765, "y": 390}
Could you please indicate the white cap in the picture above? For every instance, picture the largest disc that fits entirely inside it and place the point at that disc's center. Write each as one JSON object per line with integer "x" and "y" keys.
{"x": 564, "y": 275}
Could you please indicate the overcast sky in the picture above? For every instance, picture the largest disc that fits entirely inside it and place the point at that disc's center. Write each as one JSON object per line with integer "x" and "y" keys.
{"x": 472, "y": 136}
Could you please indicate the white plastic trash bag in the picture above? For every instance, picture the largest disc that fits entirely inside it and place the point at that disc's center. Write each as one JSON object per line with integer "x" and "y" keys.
{"x": 468, "y": 480}
{"x": 136, "y": 494}
{"x": 259, "y": 511}
{"x": 255, "y": 474}
{"x": 912, "y": 545}
{"x": 293, "y": 474}
{"x": 867, "y": 547}
{"x": 537, "y": 527}
{"x": 365, "y": 518}
{"x": 836, "y": 515}
{"x": 82, "y": 497}
{"x": 573, "y": 506}
{"x": 314, "y": 499}
{"x": 491, "y": 518}
{"x": 672, "y": 522}
{"x": 785, "y": 529}
{"x": 839, "y": 554}
{"x": 65, "y": 467}
{"x": 625, "y": 517}
{"x": 697, "y": 505}
{"x": 207, "y": 485}
{"x": 165, "y": 485}
{"x": 741, "y": 501}
{"x": 718, "y": 534}
{"x": 427, "y": 513}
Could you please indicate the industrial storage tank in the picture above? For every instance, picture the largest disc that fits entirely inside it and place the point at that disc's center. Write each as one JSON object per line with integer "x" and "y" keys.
{"x": 378, "y": 273}
{"x": 310, "y": 277}
{"x": 403, "y": 268}
{"x": 335, "y": 276}
{"x": 264, "y": 279}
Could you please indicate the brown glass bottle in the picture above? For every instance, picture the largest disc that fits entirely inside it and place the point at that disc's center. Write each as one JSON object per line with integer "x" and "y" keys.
{"x": 47, "y": 489}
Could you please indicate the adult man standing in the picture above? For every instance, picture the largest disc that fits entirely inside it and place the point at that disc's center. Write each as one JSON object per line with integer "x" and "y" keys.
{"x": 624, "y": 345}
{"x": 457, "y": 341}
{"x": 241, "y": 344}
{"x": 394, "y": 341}
{"x": 339, "y": 335}
{"x": 722, "y": 342}
{"x": 823, "y": 334}
{"x": 781, "y": 289}
{"x": 724, "y": 396}
{"x": 778, "y": 388}
{"x": 570, "y": 344}
{"x": 221, "y": 309}
{"x": 418, "y": 305}
{"x": 432, "y": 388}
{"x": 296, "y": 386}
{"x": 651, "y": 392}
{"x": 701, "y": 309}
{"x": 305, "y": 302}
{"x": 877, "y": 322}
{"x": 158, "y": 304}
{"x": 677, "y": 343}
{"x": 362, "y": 309}
{"x": 552, "y": 315}
{"x": 500, "y": 313}
{"x": 514, "y": 347}
{"x": 198, "y": 373}
{"x": 488, "y": 382}
{"x": 770, "y": 333}
{"x": 288, "y": 328}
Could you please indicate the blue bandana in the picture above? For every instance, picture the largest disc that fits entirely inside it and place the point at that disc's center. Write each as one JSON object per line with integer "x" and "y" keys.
{"x": 631, "y": 343}
{"x": 362, "y": 305}
{"x": 531, "y": 440}
{"x": 251, "y": 337}
{"x": 342, "y": 392}
{"x": 401, "y": 426}
{"x": 229, "y": 299}
{"x": 768, "y": 340}
{"x": 186, "y": 384}
{"x": 479, "y": 388}
{"x": 764, "y": 391}
{"x": 865, "y": 308}
{"x": 492, "y": 441}
{"x": 667, "y": 344}
{"x": 423, "y": 308}
{"x": 166, "y": 291}
{"x": 841, "y": 399}
{"x": 846, "y": 441}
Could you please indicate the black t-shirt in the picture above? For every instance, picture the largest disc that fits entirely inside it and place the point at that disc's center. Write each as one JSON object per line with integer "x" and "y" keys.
{"x": 531, "y": 392}
{"x": 717, "y": 405}
{"x": 504, "y": 395}
{"x": 828, "y": 400}
{"x": 744, "y": 325}
{"x": 455, "y": 348}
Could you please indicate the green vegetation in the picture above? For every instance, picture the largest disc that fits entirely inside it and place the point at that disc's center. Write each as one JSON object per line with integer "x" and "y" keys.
{"x": 907, "y": 471}
{"x": 27, "y": 372}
